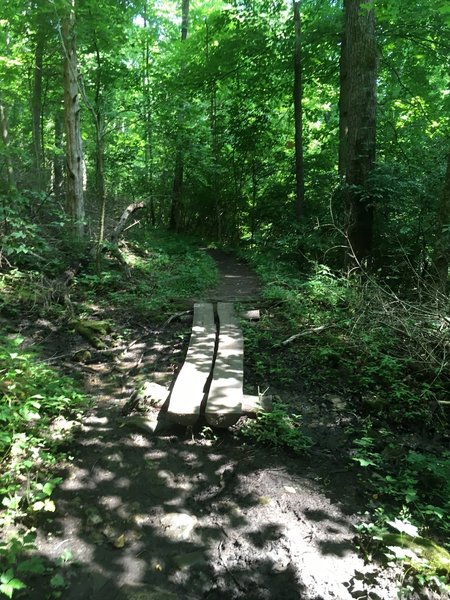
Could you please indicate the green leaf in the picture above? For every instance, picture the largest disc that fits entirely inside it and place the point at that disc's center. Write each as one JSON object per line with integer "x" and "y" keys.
{"x": 57, "y": 581}
{"x": 48, "y": 489}
{"x": 32, "y": 565}
{"x": 364, "y": 462}
{"x": 404, "y": 527}
{"x": 9, "y": 583}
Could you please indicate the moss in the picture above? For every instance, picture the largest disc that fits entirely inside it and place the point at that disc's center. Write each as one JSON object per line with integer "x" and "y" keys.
{"x": 437, "y": 557}
{"x": 81, "y": 356}
{"x": 92, "y": 331}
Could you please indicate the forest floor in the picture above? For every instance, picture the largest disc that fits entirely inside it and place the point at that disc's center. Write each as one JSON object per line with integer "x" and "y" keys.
{"x": 198, "y": 514}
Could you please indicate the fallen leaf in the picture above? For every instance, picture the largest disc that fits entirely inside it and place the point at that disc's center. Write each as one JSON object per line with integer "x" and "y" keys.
{"x": 119, "y": 542}
{"x": 264, "y": 500}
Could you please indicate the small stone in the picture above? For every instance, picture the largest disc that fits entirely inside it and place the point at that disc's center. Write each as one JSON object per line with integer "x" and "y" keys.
{"x": 179, "y": 526}
{"x": 264, "y": 500}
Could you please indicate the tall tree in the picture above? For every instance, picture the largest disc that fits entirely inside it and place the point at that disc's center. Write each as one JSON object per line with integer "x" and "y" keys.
{"x": 36, "y": 107}
{"x": 298, "y": 116}
{"x": 4, "y": 132}
{"x": 442, "y": 245}
{"x": 357, "y": 125}
{"x": 74, "y": 146}
{"x": 177, "y": 194}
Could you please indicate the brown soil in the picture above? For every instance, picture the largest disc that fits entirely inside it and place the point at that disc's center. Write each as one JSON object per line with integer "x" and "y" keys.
{"x": 197, "y": 514}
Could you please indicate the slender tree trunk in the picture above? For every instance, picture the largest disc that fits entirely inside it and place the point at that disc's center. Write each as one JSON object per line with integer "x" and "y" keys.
{"x": 58, "y": 165}
{"x": 4, "y": 131}
{"x": 215, "y": 150}
{"x": 357, "y": 108}
{"x": 36, "y": 111}
{"x": 74, "y": 147}
{"x": 148, "y": 154}
{"x": 298, "y": 117}
{"x": 442, "y": 245}
{"x": 178, "y": 180}
{"x": 97, "y": 114}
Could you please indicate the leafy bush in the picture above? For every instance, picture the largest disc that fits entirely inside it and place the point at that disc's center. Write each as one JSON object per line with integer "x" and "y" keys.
{"x": 278, "y": 429}
{"x": 32, "y": 396}
{"x": 163, "y": 268}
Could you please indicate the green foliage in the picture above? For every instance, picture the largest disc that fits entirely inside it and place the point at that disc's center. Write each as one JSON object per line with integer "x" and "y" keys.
{"x": 21, "y": 236}
{"x": 14, "y": 562}
{"x": 399, "y": 476}
{"x": 384, "y": 355}
{"x": 164, "y": 269}
{"x": 32, "y": 397}
{"x": 425, "y": 563}
{"x": 278, "y": 429}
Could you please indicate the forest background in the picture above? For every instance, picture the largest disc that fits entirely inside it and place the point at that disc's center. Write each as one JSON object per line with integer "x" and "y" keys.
{"x": 313, "y": 136}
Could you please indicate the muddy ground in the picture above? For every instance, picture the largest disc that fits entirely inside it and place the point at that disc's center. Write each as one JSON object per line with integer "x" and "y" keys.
{"x": 198, "y": 514}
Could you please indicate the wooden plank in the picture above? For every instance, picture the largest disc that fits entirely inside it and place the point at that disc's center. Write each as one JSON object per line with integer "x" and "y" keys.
{"x": 224, "y": 404}
{"x": 189, "y": 389}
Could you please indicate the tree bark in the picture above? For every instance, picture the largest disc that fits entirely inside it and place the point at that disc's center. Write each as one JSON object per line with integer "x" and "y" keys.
{"x": 97, "y": 113}
{"x": 442, "y": 245}
{"x": 36, "y": 111}
{"x": 215, "y": 149}
{"x": 148, "y": 121}
{"x": 4, "y": 132}
{"x": 58, "y": 166}
{"x": 298, "y": 117}
{"x": 74, "y": 147}
{"x": 118, "y": 230}
{"x": 357, "y": 126}
{"x": 178, "y": 180}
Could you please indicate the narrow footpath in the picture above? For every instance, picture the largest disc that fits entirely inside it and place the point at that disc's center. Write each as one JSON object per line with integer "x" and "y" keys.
{"x": 200, "y": 514}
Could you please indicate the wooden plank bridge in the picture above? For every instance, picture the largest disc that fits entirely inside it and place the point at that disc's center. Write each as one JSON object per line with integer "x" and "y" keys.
{"x": 210, "y": 382}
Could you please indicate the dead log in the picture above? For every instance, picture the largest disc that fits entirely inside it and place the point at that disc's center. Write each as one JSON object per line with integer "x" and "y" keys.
{"x": 118, "y": 230}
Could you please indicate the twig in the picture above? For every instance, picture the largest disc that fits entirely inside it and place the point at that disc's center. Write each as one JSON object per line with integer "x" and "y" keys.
{"x": 307, "y": 332}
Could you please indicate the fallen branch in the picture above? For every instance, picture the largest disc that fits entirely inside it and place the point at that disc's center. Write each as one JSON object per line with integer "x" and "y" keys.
{"x": 177, "y": 316}
{"x": 119, "y": 228}
{"x": 304, "y": 333}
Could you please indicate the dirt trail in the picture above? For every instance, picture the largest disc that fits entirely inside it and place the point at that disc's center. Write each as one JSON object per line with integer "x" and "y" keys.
{"x": 199, "y": 515}
{"x": 237, "y": 282}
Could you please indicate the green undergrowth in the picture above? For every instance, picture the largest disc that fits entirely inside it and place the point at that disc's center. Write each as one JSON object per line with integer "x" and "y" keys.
{"x": 278, "y": 428}
{"x": 39, "y": 410}
{"x": 164, "y": 271}
{"x": 385, "y": 357}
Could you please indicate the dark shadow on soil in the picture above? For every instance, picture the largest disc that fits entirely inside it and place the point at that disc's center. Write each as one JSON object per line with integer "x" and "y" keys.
{"x": 167, "y": 515}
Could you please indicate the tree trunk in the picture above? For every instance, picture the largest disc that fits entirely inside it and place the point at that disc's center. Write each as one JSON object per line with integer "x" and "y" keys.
{"x": 97, "y": 114}
{"x": 215, "y": 149}
{"x": 357, "y": 127}
{"x": 298, "y": 117}
{"x": 4, "y": 132}
{"x": 58, "y": 166}
{"x": 36, "y": 111}
{"x": 148, "y": 124}
{"x": 74, "y": 147}
{"x": 178, "y": 181}
{"x": 442, "y": 245}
